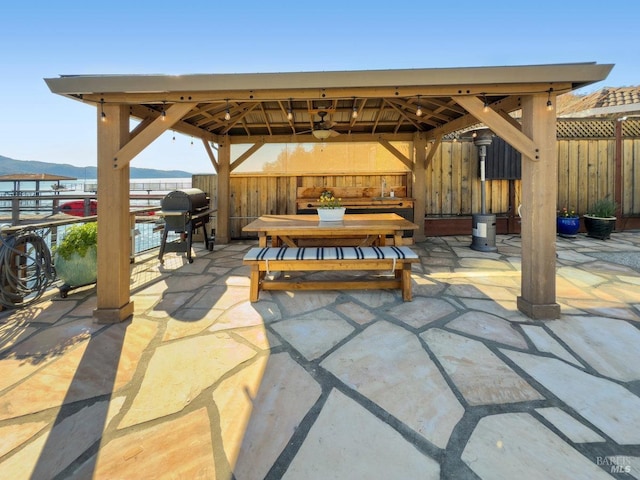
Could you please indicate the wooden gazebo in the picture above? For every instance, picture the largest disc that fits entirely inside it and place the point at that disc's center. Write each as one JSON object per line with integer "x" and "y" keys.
{"x": 417, "y": 105}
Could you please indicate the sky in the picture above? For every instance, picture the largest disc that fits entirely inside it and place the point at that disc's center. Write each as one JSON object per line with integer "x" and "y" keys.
{"x": 45, "y": 39}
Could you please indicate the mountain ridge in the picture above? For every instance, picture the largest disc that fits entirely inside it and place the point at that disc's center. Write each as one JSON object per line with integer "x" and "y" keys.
{"x": 10, "y": 166}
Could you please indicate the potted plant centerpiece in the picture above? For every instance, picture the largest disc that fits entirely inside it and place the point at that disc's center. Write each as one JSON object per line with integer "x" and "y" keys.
{"x": 76, "y": 256}
{"x": 568, "y": 223}
{"x": 330, "y": 208}
{"x": 601, "y": 220}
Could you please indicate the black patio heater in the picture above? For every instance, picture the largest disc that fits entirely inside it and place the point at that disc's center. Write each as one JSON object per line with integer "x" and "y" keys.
{"x": 483, "y": 236}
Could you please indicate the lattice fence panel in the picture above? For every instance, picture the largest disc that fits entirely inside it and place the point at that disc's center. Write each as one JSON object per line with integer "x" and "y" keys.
{"x": 585, "y": 129}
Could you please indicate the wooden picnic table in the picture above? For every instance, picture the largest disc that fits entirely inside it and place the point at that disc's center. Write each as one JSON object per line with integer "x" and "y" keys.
{"x": 360, "y": 229}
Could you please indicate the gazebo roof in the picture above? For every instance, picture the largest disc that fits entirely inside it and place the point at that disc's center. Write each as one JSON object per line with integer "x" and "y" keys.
{"x": 386, "y": 102}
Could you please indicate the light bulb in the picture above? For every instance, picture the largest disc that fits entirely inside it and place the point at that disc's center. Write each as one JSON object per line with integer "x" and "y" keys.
{"x": 227, "y": 115}
{"x": 419, "y": 111}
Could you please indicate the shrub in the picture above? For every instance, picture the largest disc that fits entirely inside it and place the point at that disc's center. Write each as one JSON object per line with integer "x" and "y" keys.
{"x": 603, "y": 208}
{"x": 78, "y": 239}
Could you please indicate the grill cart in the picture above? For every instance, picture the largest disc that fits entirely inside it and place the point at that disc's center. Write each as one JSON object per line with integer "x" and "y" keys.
{"x": 184, "y": 211}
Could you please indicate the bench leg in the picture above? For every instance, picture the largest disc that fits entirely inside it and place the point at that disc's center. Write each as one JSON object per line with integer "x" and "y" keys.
{"x": 254, "y": 289}
{"x": 406, "y": 282}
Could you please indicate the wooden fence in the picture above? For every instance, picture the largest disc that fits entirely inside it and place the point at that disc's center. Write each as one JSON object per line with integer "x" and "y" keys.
{"x": 586, "y": 173}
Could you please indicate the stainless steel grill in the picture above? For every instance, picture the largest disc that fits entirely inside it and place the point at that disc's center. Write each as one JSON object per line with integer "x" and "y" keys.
{"x": 184, "y": 211}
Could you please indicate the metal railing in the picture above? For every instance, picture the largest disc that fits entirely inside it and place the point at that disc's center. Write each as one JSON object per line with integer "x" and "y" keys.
{"x": 27, "y": 267}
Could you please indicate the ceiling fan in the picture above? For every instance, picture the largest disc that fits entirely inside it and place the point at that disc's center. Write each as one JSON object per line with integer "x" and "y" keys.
{"x": 322, "y": 129}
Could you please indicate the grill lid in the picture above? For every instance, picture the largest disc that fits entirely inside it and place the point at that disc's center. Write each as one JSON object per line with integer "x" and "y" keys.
{"x": 185, "y": 200}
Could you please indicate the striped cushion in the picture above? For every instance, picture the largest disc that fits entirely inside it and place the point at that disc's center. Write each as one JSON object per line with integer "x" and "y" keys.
{"x": 329, "y": 253}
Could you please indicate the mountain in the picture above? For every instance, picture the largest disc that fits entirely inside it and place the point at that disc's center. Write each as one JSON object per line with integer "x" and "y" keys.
{"x": 10, "y": 166}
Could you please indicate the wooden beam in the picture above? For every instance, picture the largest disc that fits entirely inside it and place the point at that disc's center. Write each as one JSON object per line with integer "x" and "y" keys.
{"x": 432, "y": 151}
{"x": 397, "y": 153}
{"x": 538, "y": 222}
{"x": 308, "y": 138}
{"x": 253, "y": 149}
{"x": 223, "y": 190}
{"x": 211, "y": 155}
{"x": 508, "y": 104}
{"x": 156, "y": 128}
{"x": 419, "y": 188}
{"x": 114, "y": 233}
{"x": 328, "y": 94}
{"x": 499, "y": 125}
{"x": 146, "y": 114}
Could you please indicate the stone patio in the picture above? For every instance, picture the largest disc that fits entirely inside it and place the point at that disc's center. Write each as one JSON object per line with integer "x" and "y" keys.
{"x": 457, "y": 384}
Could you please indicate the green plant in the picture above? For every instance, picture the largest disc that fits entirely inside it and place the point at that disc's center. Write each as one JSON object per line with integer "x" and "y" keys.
{"x": 327, "y": 200}
{"x": 603, "y": 208}
{"x": 78, "y": 239}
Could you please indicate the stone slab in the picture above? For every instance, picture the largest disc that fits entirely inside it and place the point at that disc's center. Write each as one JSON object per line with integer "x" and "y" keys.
{"x": 177, "y": 448}
{"x": 179, "y": 371}
{"x": 347, "y": 441}
{"x": 609, "y": 346}
{"x": 605, "y": 404}
{"x": 546, "y": 343}
{"x": 287, "y": 393}
{"x": 490, "y": 327}
{"x": 572, "y": 428}
{"x": 421, "y": 311}
{"x": 387, "y": 364}
{"x": 314, "y": 334}
{"x": 481, "y": 377}
{"x": 515, "y": 445}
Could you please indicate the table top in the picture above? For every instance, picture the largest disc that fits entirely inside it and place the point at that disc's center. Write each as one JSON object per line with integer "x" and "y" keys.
{"x": 357, "y": 223}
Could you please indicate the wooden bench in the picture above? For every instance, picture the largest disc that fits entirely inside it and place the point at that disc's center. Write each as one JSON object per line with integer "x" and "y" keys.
{"x": 394, "y": 259}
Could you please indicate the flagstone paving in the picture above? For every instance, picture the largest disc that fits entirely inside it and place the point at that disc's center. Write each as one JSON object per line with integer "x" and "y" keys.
{"x": 457, "y": 384}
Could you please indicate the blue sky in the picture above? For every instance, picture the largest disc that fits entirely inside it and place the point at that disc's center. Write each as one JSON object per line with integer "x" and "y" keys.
{"x": 45, "y": 39}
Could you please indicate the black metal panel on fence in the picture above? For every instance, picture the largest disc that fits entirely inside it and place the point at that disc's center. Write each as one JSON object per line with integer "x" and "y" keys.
{"x": 503, "y": 162}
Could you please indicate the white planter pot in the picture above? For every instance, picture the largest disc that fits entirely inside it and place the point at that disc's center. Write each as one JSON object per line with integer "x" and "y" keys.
{"x": 331, "y": 214}
{"x": 77, "y": 271}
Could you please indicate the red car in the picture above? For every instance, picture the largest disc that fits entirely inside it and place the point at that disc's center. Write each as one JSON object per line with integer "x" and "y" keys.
{"x": 76, "y": 208}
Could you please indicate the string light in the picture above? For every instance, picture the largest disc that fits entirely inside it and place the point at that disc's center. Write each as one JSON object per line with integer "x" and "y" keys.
{"x": 419, "y": 110}
{"x": 227, "y": 114}
{"x": 290, "y": 112}
{"x": 354, "y": 113}
{"x": 103, "y": 116}
{"x": 549, "y": 103}
{"x": 486, "y": 103}
{"x": 163, "y": 114}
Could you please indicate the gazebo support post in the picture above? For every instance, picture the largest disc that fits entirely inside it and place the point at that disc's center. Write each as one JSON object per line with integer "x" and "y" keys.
{"x": 538, "y": 227}
{"x": 419, "y": 187}
{"x": 114, "y": 277}
{"x": 224, "y": 187}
